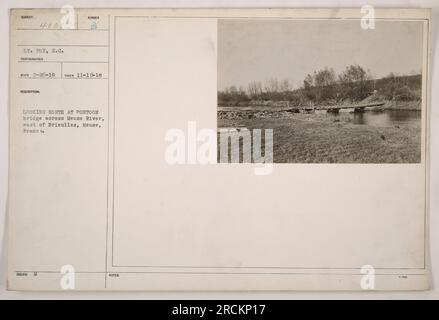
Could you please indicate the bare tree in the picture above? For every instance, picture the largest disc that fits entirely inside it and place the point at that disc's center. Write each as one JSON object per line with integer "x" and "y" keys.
{"x": 355, "y": 83}
{"x": 324, "y": 77}
{"x": 285, "y": 85}
{"x": 308, "y": 82}
{"x": 353, "y": 73}
{"x": 272, "y": 85}
{"x": 254, "y": 89}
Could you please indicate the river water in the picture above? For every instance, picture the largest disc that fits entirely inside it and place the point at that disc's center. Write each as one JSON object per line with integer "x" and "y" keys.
{"x": 386, "y": 118}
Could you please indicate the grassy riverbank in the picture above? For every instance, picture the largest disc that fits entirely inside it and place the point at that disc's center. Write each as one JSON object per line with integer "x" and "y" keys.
{"x": 318, "y": 138}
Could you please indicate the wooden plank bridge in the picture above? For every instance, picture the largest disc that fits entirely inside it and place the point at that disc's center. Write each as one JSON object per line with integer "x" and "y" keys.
{"x": 357, "y": 108}
{"x": 330, "y": 109}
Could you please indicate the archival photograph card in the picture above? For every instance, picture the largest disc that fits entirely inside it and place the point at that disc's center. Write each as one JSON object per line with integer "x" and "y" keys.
{"x": 219, "y": 149}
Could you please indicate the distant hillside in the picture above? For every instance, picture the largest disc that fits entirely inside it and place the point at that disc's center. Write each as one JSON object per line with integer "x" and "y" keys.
{"x": 353, "y": 86}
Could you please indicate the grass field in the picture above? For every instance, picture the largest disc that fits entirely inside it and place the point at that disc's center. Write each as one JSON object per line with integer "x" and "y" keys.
{"x": 317, "y": 138}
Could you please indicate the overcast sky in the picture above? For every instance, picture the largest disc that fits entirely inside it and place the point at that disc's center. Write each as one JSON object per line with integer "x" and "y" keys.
{"x": 250, "y": 50}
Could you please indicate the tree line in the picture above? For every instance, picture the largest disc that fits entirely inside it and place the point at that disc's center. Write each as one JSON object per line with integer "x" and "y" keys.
{"x": 324, "y": 86}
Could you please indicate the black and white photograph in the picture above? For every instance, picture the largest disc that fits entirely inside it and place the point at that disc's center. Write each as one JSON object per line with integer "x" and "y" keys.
{"x": 219, "y": 151}
{"x": 331, "y": 90}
